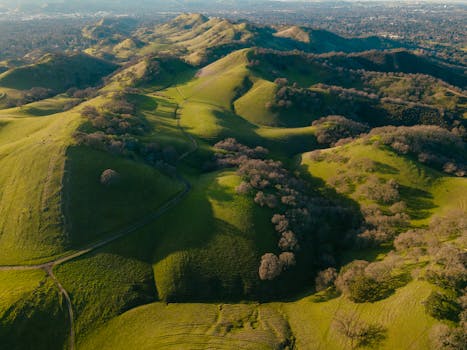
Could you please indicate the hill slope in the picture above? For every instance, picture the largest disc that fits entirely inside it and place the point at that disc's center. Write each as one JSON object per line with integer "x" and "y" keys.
{"x": 58, "y": 72}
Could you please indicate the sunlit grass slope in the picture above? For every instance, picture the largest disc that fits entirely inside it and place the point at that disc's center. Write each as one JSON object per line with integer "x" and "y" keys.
{"x": 32, "y": 161}
{"x": 195, "y": 326}
{"x": 216, "y": 104}
{"x": 57, "y": 104}
{"x": 425, "y": 191}
{"x": 51, "y": 199}
{"x": 14, "y": 285}
{"x": 305, "y": 324}
{"x": 403, "y": 315}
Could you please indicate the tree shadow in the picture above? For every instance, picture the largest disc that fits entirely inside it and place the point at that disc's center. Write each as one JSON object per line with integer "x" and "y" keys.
{"x": 385, "y": 168}
{"x": 419, "y": 202}
{"x": 143, "y": 102}
{"x": 326, "y": 295}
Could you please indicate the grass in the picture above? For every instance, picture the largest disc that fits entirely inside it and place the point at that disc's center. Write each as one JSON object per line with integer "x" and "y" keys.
{"x": 306, "y": 323}
{"x": 402, "y": 315}
{"x": 58, "y": 72}
{"x": 211, "y": 110}
{"x": 31, "y": 223}
{"x": 214, "y": 251}
{"x": 41, "y": 108}
{"x": 15, "y": 285}
{"x": 194, "y": 326}
{"x": 31, "y": 312}
{"x": 425, "y": 191}
{"x": 160, "y": 113}
{"x": 93, "y": 210}
{"x": 106, "y": 284}
{"x": 252, "y": 105}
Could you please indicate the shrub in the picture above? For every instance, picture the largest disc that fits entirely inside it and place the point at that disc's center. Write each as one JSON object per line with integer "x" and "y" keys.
{"x": 244, "y": 188}
{"x": 409, "y": 239}
{"x": 331, "y": 129}
{"x": 442, "y": 307}
{"x": 348, "y": 273}
{"x": 445, "y": 338}
{"x": 367, "y": 289}
{"x": 358, "y": 284}
{"x": 325, "y": 279}
{"x": 430, "y": 144}
{"x": 270, "y": 267}
{"x": 287, "y": 260}
{"x": 378, "y": 190}
{"x": 288, "y": 242}
{"x": 110, "y": 177}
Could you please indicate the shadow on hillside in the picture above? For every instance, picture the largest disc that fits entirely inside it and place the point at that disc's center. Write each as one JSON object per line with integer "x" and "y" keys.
{"x": 419, "y": 202}
{"x": 237, "y": 127}
{"x": 143, "y": 102}
{"x": 385, "y": 168}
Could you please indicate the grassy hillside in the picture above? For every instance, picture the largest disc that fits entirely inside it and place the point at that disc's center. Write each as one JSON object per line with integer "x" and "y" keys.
{"x": 193, "y": 262}
{"x": 304, "y": 324}
{"x": 16, "y": 285}
{"x": 225, "y": 326}
{"x": 317, "y": 40}
{"x": 195, "y": 277}
{"x": 110, "y": 282}
{"x": 403, "y": 315}
{"x": 93, "y": 210}
{"x": 31, "y": 224}
{"x": 49, "y": 106}
{"x": 31, "y": 314}
{"x": 425, "y": 191}
{"x": 58, "y": 72}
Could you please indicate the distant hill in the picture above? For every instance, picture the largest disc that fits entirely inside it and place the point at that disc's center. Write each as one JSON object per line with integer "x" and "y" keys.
{"x": 58, "y": 72}
{"x": 317, "y": 40}
{"x": 201, "y": 39}
{"x": 197, "y": 33}
{"x": 405, "y": 62}
{"x": 110, "y": 29}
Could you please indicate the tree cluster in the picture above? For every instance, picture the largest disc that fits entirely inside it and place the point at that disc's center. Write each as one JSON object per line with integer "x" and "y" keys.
{"x": 363, "y": 282}
{"x": 432, "y": 145}
{"x": 117, "y": 129}
{"x": 304, "y": 220}
{"x": 333, "y": 128}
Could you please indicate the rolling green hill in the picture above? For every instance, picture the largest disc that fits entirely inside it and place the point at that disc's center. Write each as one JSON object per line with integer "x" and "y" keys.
{"x": 152, "y": 236}
{"x": 193, "y": 263}
{"x": 304, "y": 324}
{"x": 58, "y": 72}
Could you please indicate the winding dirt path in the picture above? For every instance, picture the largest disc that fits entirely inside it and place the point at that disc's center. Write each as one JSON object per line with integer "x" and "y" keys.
{"x": 49, "y": 266}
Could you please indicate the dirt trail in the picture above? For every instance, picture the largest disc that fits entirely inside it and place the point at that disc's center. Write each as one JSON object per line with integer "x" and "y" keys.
{"x": 49, "y": 266}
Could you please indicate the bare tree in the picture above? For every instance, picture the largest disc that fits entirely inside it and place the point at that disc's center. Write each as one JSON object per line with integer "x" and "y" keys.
{"x": 270, "y": 268}
{"x": 109, "y": 177}
{"x": 358, "y": 332}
